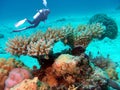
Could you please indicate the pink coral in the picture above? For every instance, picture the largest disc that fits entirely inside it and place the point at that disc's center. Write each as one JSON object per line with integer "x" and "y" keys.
{"x": 27, "y": 84}
{"x": 16, "y": 76}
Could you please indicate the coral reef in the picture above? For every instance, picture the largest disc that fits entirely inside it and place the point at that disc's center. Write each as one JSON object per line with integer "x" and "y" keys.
{"x": 102, "y": 62}
{"x": 112, "y": 73}
{"x": 67, "y": 70}
{"x": 16, "y": 76}
{"x": 111, "y": 26}
{"x": 107, "y": 65}
{"x": 18, "y": 45}
{"x": 40, "y": 44}
{"x": 27, "y": 84}
{"x": 5, "y": 67}
{"x": 70, "y": 70}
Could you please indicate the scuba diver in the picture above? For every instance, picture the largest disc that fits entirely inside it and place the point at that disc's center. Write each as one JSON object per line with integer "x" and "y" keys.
{"x": 41, "y": 15}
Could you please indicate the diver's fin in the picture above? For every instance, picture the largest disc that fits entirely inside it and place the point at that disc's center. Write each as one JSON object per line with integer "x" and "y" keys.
{"x": 19, "y": 30}
{"x": 20, "y": 22}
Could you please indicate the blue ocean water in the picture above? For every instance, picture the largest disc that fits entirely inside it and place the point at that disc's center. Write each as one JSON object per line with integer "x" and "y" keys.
{"x": 16, "y": 9}
{"x": 12, "y": 11}
{"x": 72, "y": 11}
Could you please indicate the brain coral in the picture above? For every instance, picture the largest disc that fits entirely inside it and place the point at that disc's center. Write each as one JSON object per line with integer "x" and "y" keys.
{"x": 5, "y": 67}
{"x": 16, "y": 76}
{"x": 111, "y": 26}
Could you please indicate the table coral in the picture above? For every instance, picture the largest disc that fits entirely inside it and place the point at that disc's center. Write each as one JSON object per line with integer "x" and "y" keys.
{"x": 40, "y": 44}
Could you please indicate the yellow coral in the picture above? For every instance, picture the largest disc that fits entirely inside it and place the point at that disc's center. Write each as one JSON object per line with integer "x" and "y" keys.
{"x": 27, "y": 84}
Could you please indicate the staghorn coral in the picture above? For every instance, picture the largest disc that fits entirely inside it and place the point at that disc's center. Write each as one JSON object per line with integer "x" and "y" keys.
{"x": 18, "y": 45}
{"x": 38, "y": 44}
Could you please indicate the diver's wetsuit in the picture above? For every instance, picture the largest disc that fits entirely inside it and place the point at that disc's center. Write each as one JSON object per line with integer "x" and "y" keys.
{"x": 41, "y": 15}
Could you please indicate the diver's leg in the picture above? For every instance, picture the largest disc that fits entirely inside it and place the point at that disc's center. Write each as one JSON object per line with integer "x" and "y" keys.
{"x": 32, "y": 26}
{"x": 31, "y": 22}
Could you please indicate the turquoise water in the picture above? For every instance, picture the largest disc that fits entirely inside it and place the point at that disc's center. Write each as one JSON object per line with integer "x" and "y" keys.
{"x": 72, "y": 12}
{"x": 75, "y": 12}
{"x": 13, "y": 11}
{"x": 27, "y": 8}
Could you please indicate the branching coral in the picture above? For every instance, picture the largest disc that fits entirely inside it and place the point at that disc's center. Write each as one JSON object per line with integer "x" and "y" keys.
{"x": 41, "y": 44}
{"x": 66, "y": 70}
{"x": 18, "y": 45}
{"x": 85, "y": 33}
